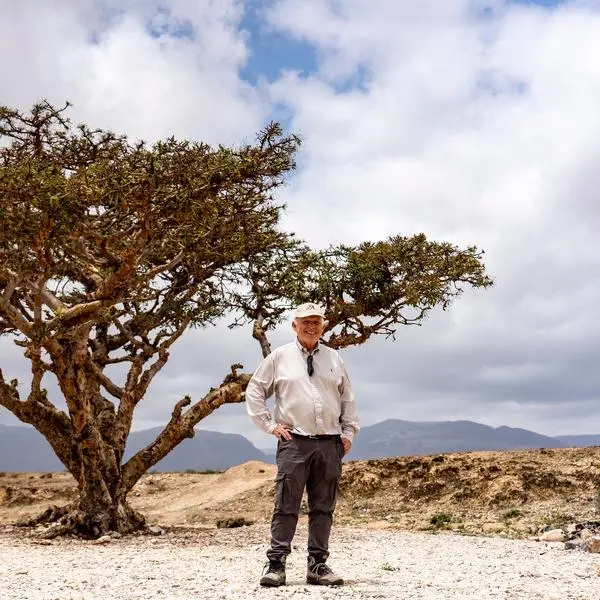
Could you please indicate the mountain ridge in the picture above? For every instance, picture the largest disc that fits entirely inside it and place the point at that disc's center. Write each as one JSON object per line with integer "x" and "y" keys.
{"x": 397, "y": 437}
{"x": 23, "y": 449}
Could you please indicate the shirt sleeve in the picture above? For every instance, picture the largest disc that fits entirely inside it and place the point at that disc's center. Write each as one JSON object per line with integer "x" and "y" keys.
{"x": 259, "y": 388}
{"x": 348, "y": 417}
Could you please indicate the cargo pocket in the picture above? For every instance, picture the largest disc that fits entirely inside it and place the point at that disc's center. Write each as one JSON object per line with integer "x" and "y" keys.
{"x": 284, "y": 494}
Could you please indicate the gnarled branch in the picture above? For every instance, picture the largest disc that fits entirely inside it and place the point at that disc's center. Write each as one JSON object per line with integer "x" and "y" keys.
{"x": 181, "y": 425}
{"x": 52, "y": 423}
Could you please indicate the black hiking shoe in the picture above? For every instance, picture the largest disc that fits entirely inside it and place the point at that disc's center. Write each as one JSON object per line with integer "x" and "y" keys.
{"x": 274, "y": 575}
{"x": 318, "y": 573}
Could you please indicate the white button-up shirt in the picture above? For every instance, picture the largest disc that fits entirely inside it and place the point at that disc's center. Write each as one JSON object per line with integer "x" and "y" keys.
{"x": 321, "y": 404}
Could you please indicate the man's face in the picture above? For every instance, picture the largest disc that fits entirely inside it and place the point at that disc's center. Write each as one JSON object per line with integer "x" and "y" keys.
{"x": 309, "y": 330}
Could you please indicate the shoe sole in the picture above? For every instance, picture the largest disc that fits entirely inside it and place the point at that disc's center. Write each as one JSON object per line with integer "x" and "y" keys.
{"x": 330, "y": 583}
{"x": 269, "y": 583}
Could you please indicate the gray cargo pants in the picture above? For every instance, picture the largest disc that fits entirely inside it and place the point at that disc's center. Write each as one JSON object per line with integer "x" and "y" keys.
{"x": 316, "y": 464}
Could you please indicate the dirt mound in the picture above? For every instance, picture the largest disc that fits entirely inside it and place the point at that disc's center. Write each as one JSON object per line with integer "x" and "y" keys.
{"x": 193, "y": 499}
{"x": 471, "y": 489}
{"x": 251, "y": 470}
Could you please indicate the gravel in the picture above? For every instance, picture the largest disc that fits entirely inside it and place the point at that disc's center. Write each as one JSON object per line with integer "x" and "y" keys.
{"x": 227, "y": 563}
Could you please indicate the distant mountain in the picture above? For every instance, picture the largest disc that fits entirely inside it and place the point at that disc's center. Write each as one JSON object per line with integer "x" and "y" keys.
{"x": 270, "y": 452}
{"x": 395, "y": 437}
{"x": 578, "y": 441}
{"x": 24, "y": 449}
{"x": 206, "y": 450}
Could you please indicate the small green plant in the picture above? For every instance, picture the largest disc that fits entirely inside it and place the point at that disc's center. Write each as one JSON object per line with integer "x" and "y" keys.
{"x": 388, "y": 567}
{"x": 558, "y": 519}
{"x": 441, "y": 519}
{"x": 202, "y": 472}
{"x": 513, "y": 513}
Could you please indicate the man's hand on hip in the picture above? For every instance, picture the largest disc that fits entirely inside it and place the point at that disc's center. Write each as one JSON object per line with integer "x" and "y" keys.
{"x": 282, "y": 432}
{"x": 347, "y": 445}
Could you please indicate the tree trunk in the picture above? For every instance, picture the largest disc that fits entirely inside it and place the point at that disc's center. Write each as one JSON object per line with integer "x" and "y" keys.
{"x": 101, "y": 505}
{"x": 259, "y": 334}
{"x": 102, "y": 498}
{"x": 94, "y": 513}
{"x": 97, "y": 513}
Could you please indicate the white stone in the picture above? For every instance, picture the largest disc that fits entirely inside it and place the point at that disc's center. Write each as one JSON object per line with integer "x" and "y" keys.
{"x": 154, "y": 530}
{"x": 492, "y": 527}
{"x": 105, "y": 539}
{"x": 554, "y": 535}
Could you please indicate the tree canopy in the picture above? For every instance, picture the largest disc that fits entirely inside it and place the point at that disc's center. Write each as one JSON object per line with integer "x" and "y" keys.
{"x": 110, "y": 249}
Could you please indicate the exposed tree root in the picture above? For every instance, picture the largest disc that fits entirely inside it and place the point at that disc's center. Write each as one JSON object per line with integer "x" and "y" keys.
{"x": 70, "y": 520}
{"x": 50, "y": 515}
{"x": 58, "y": 530}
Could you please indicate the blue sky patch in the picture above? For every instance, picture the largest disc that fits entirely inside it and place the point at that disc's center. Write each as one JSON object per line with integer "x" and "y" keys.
{"x": 271, "y": 51}
{"x": 162, "y": 23}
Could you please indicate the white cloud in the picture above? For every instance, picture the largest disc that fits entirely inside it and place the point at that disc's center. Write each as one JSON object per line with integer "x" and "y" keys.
{"x": 125, "y": 66}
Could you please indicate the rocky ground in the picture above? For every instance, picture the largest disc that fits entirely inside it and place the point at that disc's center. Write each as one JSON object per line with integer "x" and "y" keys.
{"x": 226, "y": 564}
{"x": 469, "y": 525}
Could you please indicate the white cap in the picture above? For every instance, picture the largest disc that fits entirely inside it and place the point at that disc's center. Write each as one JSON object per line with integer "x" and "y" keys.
{"x": 309, "y": 309}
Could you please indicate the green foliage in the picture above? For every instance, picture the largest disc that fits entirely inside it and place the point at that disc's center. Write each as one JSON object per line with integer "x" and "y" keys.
{"x": 95, "y": 216}
{"x": 180, "y": 232}
{"x": 202, "y": 472}
{"x": 441, "y": 519}
{"x": 558, "y": 519}
{"x": 513, "y": 513}
{"x": 367, "y": 290}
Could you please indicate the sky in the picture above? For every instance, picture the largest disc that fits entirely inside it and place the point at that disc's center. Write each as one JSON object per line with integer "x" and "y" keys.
{"x": 473, "y": 121}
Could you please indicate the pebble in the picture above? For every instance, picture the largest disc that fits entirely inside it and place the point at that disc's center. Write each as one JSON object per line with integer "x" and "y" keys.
{"x": 105, "y": 539}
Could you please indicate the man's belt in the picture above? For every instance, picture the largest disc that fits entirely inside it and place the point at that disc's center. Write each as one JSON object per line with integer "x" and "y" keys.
{"x": 325, "y": 436}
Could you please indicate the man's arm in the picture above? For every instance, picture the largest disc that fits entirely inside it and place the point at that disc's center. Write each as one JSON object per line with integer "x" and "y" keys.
{"x": 348, "y": 416}
{"x": 259, "y": 388}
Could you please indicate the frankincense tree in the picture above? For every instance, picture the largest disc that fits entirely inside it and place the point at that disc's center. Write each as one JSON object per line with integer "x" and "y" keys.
{"x": 110, "y": 250}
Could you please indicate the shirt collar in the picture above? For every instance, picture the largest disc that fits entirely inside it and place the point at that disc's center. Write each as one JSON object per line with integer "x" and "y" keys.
{"x": 304, "y": 350}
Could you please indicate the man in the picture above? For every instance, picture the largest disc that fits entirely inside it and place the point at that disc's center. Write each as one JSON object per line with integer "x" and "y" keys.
{"x": 314, "y": 421}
